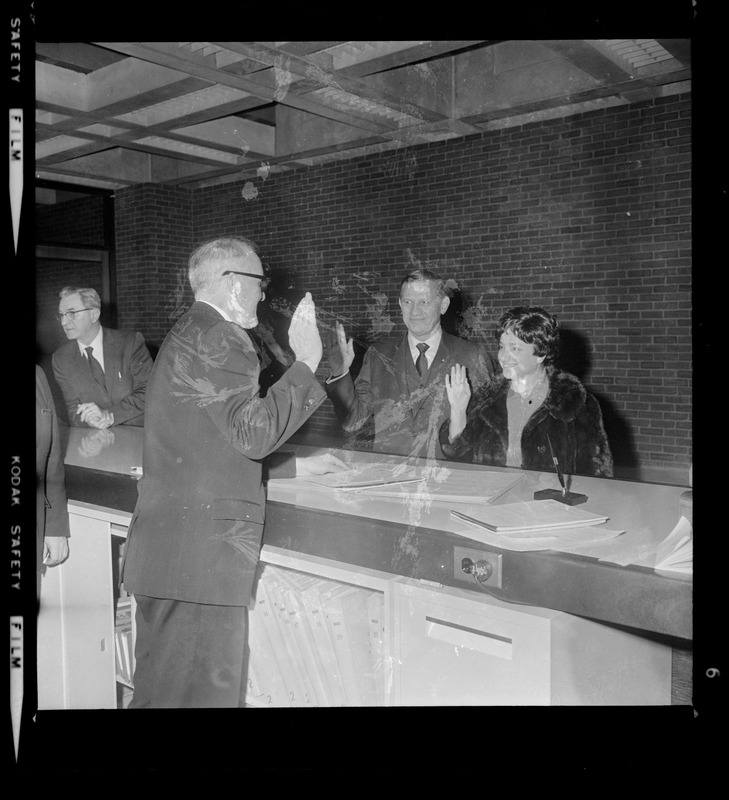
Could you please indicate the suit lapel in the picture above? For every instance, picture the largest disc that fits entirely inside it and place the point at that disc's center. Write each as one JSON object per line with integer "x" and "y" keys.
{"x": 400, "y": 363}
{"x": 112, "y": 358}
{"x": 441, "y": 362}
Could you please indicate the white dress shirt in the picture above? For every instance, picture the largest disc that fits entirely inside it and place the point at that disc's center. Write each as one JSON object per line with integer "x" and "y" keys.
{"x": 97, "y": 344}
{"x": 433, "y": 343}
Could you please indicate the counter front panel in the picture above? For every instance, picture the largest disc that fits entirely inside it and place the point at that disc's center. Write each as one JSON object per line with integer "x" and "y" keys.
{"x": 414, "y": 536}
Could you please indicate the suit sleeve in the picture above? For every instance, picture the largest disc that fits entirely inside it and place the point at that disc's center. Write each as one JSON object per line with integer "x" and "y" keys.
{"x": 139, "y": 366}
{"x": 352, "y": 400}
{"x": 481, "y": 368}
{"x": 279, "y": 465}
{"x": 69, "y": 391}
{"x": 460, "y": 449}
{"x": 54, "y": 483}
{"x": 225, "y": 378}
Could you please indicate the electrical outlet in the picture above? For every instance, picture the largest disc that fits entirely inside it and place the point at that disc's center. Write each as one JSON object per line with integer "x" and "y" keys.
{"x": 485, "y": 563}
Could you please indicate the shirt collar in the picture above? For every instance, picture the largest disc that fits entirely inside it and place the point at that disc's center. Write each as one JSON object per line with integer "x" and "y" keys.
{"x": 97, "y": 344}
{"x": 433, "y": 342}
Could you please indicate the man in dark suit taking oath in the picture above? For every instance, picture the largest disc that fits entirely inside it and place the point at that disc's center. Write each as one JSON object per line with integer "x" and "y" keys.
{"x": 209, "y": 444}
{"x": 401, "y": 385}
{"x": 102, "y": 372}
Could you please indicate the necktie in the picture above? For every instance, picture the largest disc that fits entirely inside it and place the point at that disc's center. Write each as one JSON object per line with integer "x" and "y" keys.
{"x": 422, "y": 363}
{"x": 96, "y": 371}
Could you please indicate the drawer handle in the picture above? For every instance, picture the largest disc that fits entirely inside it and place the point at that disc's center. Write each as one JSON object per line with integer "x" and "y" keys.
{"x": 470, "y": 638}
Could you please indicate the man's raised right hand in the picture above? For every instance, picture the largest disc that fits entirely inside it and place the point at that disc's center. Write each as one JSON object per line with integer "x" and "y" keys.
{"x": 304, "y": 335}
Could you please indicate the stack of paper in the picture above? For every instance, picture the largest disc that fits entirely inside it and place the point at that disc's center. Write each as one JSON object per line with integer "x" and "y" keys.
{"x": 532, "y": 515}
{"x": 123, "y": 643}
{"x": 536, "y": 525}
{"x": 311, "y": 642}
{"x": 676, "y": 551}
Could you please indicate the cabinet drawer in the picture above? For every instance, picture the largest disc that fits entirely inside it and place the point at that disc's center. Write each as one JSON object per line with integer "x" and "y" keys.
{"x": 449, "y": 650}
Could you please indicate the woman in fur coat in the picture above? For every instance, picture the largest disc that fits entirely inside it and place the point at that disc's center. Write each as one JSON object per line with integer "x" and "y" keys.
{"x": 512, "y": 420}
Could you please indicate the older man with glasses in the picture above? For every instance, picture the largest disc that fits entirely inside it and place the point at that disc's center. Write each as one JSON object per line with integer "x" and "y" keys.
{"x": 102, "y": 372}
{"x": 211, "y": 440}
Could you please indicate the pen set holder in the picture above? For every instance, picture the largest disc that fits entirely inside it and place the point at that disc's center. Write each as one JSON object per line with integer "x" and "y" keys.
{"x": 569, "y": 498}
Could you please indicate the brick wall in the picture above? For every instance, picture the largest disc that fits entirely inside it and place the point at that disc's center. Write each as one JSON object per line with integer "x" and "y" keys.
{"x": 588, "y": 216}
{"x": 153, "y": 231}
{"x": 79, "y": 222}
{"x": 76, "y": 222}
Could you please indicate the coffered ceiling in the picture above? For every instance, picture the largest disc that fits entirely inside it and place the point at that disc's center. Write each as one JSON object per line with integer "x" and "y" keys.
{"x": 115, "y": 114}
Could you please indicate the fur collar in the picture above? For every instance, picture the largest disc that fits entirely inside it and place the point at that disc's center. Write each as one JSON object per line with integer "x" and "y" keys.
{"x": 565, "y": 398}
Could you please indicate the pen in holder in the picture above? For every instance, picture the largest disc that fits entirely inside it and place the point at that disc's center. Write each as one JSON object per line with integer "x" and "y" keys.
{"x": 569, "y": 498}
{"x": 561, "y": 495}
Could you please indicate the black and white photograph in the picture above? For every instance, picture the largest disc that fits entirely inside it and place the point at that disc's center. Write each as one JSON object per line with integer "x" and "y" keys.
{"x": 364, "y": 393}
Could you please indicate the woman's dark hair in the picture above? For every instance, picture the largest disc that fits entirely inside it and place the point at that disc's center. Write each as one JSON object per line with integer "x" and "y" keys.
{"x": 534, "y": 326}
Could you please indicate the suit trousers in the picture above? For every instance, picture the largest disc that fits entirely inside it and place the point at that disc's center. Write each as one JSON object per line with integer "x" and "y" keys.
{"x": 189, "y": 655}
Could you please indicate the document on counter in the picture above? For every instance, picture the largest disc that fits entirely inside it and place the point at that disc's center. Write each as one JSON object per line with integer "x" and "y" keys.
{"x": 676, "y": 552}
{"x": 443, "y": 485}
{"x": 447, "y": 485}
{"x": 531, "y": 515}
{"x": 365, "y": 476}
{"x": 564, "y": 539}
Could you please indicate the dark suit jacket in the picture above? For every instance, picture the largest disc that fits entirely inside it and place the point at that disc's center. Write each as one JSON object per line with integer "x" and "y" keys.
{"x": 51, "y": 508}
{"x": 407, "y": 412}
{"x": 127, "y": 365}
{"x": 196, "y": 531}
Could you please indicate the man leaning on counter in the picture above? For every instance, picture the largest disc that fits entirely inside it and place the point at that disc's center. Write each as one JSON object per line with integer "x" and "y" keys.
{"x": 102, "y": 372}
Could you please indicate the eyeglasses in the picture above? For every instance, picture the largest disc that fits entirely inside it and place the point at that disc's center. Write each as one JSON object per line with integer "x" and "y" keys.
{"x": 262, "y": 280}
{"x": 71, "y": 314}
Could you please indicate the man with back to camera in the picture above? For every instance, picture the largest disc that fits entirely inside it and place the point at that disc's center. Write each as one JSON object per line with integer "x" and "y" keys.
{"x": 195, "y": 535}
{"x": 102, "y": 372}
{"x": 400, "y": 386}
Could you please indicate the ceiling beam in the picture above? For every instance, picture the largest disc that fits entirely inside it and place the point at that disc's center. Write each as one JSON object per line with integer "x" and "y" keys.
{"x": 589, "y": 60}
{"x": 410, "y": 56}
{"x": 619, "y": 90}
{"x": 168, "y": 55}
{"x": 316, "y": 76}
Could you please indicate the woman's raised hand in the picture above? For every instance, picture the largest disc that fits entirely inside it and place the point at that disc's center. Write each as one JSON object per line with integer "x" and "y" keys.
{"x": 457, "y": 389}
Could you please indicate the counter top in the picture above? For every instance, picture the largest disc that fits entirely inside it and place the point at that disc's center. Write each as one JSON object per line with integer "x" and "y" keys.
{"x": 414, "y": 534}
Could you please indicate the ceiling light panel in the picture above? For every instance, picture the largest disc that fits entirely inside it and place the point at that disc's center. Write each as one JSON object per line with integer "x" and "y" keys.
{"x": 182, "y": 106}
{"x": 638, "y": 52}
{"x": 345, "y": 55}
{"x": 49, "y": 118}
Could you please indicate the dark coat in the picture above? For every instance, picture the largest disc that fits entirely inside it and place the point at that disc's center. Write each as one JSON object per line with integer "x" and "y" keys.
{"x": 196, "y": 531}
{"x": 127, "y": 364}
{"x": 51, "y": 506}
{"x": 569, "y": 415}
{"x": 407, "y": 411}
